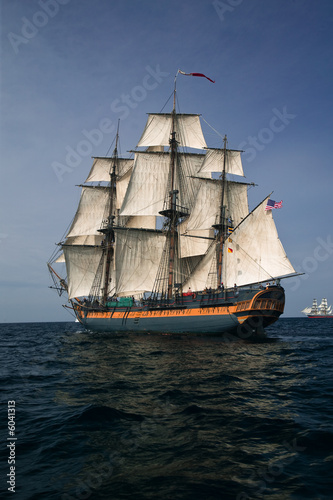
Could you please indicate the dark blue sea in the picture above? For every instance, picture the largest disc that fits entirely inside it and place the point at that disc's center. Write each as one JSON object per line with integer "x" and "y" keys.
{"x": 166, "y": 418}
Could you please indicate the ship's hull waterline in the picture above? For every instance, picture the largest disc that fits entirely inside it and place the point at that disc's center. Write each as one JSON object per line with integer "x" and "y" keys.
{"x": 244, "y": 314}
{"x": 322, "y": 316}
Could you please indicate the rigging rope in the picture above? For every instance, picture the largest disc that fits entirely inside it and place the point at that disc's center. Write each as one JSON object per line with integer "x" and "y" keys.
{"x": 218, "y": 133}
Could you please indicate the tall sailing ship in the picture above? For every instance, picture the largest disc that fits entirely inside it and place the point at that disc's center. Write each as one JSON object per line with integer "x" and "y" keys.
{"x": 323, "y": 310}
{"x": 165, "y": 242}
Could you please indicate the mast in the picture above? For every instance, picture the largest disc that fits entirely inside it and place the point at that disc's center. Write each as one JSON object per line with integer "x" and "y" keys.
{"x": 173, "y": 199}
{"x": 221, "y": 226}
{"x": 109, "y": 232}
{"x": 173, "y": 211}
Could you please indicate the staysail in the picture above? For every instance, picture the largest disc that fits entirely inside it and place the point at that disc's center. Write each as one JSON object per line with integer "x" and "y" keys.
{"x": 254, "y": 253}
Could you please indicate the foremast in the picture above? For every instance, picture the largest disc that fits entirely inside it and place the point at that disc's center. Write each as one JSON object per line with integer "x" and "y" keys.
{"x": 173, "y": 201}
{"x": 109, "y": 231}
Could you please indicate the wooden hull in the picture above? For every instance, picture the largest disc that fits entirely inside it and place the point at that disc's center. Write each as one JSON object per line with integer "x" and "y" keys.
{"x": 245, "y": 314}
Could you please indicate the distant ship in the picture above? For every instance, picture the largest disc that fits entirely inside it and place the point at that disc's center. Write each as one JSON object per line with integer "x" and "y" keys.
{"x": 321, "y": 311}
{"x": 161, "y": 245}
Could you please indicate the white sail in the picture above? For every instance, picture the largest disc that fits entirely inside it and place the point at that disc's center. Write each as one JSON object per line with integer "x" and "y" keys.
{"x": 207, "y": 207}
{"x": 138, "y": 255}
{"x": 200, "y": 277}
{"x": 254, "y": 252}
{"x": 147, "y": 187}
{"x": 102, "y": 168}
{"x": 324, "y": 308}
{"x": 307, "y": 310}
{"x": 81, "y": 263}
{"x": 314, "y": 308}
{"x": 196, "y": 231}
{"x": 90, "y": 240}
{"x": 236, "y": 201}
{"x": 194, "y": 242}
{"x": 121, "y": 188}
{"x": 150, "y": 182}
{"x": 91, "y": 211}
{"x": 158, "y": 131}
{"x": 60, "y": 259}
{"x": 206, "y": 213}
{"x": 146, "y": 222}
{"x": 214, "y": 162}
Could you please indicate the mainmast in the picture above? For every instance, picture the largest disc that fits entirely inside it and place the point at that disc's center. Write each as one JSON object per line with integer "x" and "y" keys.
{"x": 221, "y": 226}
{"x": 108, "y": 231}
{"x": 173, "y": 211}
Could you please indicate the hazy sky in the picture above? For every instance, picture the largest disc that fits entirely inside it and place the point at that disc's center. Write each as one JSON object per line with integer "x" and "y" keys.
{"x": 71, "y": 68}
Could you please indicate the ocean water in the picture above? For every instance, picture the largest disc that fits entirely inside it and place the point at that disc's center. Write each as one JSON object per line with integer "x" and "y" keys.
{"x": 159, "y": 417}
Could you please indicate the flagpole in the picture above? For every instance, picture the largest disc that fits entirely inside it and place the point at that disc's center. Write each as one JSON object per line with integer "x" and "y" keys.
{"x": 174, "y": 92}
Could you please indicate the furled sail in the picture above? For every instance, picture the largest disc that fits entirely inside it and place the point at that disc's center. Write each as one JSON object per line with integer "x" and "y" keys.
{"x": 91, "y": 239}
{"x": 254, "y": 252}
{"x": 214, "y": 162}
{"x": 158, "y": 131}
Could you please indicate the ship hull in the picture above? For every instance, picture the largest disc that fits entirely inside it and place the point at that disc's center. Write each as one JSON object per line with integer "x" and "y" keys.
{"x": 244, "y": 315}
{"x": 323, "y": 316}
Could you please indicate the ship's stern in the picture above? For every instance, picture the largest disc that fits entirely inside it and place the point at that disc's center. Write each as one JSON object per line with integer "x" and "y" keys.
{"x": 262, "y": 310}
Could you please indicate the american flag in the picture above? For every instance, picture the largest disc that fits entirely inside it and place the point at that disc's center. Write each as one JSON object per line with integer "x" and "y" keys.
{"x": 273, "y": 204}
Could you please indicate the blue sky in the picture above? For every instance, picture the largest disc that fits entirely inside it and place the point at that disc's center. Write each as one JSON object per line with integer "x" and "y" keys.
{"x": 73, "y": 66}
